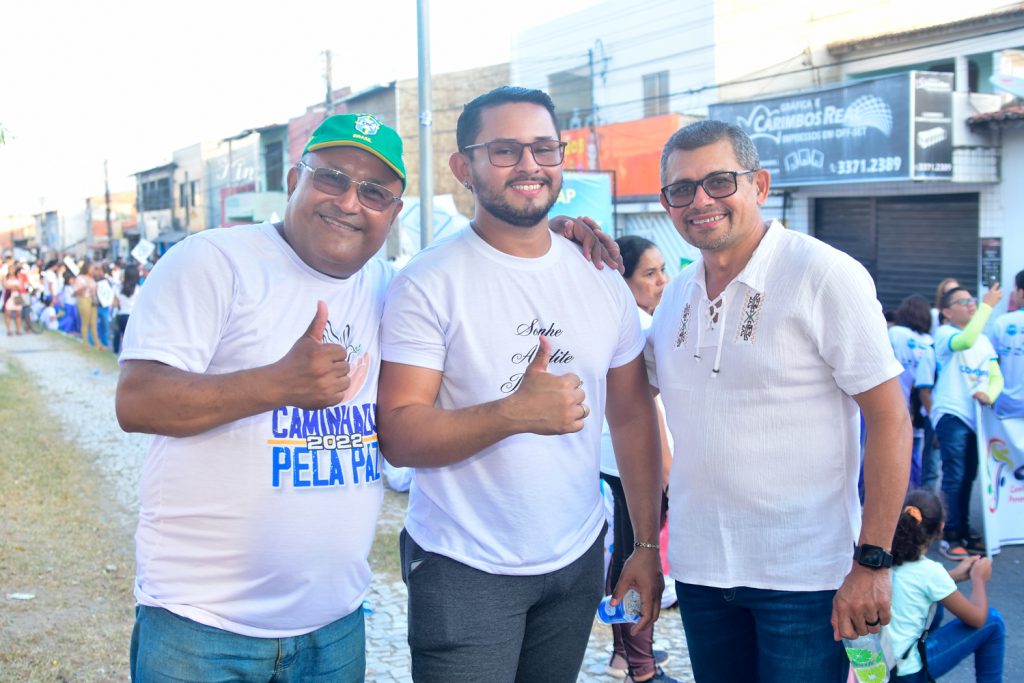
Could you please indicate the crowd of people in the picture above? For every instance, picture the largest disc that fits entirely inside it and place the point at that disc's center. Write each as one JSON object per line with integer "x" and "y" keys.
{"x": 89, "y": 299}
{"x": 276, "y": 364}
{"x": 951, "y": 354}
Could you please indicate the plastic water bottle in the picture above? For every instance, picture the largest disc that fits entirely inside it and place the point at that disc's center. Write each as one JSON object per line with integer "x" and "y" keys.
{"x": 626, "y": 612}
{"x": 871, "y": 657}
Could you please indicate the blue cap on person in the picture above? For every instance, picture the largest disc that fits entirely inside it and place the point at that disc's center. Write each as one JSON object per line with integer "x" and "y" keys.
{"x": 364, "y": 131}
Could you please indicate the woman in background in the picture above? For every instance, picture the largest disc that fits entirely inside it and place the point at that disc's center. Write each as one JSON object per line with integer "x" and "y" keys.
{"x": 633, "y": 655}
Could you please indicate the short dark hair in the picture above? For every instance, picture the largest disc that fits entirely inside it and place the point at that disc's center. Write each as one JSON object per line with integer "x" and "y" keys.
{"x": 468, "y": 126}
{"x": 632, "y": 248}
{"x": 947, "y": 298}
{"x": 1018, "y": 280}
{"x": 704, "y": 133}
{"x": 914, "y": 312}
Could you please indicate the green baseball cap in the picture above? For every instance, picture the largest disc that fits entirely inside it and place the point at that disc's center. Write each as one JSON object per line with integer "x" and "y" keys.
{"x": 364, "y": 131}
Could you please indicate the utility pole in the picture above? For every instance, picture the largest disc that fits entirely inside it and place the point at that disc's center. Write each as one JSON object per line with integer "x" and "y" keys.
{"x": 329, "y": 95}
{"x": 110, "y": 225}
{"x": 426, "y": 125}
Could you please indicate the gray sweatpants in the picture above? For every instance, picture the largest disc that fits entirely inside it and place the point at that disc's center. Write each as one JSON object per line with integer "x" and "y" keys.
{"x": 470, "y": 626}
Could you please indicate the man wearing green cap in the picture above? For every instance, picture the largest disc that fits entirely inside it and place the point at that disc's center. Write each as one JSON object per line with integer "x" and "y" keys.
{"x": 252, "y": 356}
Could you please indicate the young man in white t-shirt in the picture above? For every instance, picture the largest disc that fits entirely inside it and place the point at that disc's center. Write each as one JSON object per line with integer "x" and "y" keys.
{"x": 968, "y": 374}
{"x": 763, "y": 351}
{"x": 500, "y": 348}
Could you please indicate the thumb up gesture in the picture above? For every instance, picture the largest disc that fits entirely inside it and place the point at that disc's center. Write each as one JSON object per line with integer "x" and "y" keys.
{"x": 314, "y": 374}
{"x": 550, "y": 404}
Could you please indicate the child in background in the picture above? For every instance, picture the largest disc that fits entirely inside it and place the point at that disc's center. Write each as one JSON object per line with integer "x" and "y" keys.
{"x": 918, "y": 583}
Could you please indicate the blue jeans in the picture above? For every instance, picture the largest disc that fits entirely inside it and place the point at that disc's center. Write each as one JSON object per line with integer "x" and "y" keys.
{"x": 166, "y": 647}
{"x": 954, "y": 641}
{"x": 916, "y": 450}
{"x": 959, "y": 447}
{"x": 931, "y": 460}
{"x": 103, "y": 325}
{"x": 756, "y": 635}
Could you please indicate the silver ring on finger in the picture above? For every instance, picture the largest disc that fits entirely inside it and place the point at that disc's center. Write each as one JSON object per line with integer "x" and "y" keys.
{"x": 586, "y": 411}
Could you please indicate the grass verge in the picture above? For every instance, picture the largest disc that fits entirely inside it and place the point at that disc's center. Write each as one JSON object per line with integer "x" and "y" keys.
{"x": 59, "y": 543}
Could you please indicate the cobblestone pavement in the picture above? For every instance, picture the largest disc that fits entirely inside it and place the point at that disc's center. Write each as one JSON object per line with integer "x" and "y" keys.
{"x": 80, "y": 395}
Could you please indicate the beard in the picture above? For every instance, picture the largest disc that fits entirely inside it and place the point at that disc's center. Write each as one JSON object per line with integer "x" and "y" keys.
{"x": 526, "y": 217}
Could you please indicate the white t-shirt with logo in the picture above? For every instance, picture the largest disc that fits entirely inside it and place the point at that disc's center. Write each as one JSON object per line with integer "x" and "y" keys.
{"x": 261, "y": 526}
{"x": 763, "y": 488}
{"x": 1007, "y": 336}
{"x": 528, "y": 504}
{"x": 960, "y": 374}
{"x": 912, "y": 349}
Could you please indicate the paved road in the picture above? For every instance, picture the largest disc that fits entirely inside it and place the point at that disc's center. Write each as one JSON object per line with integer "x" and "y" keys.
{"x": 81, "y": 398}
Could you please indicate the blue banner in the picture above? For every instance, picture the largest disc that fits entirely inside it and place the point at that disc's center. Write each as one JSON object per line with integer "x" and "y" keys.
{"x": 587, "y": 194}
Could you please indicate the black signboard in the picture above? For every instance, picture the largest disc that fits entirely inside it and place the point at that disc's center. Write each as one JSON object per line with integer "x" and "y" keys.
{"x": 864, "y": 131}
{"x": 933, "y": 125}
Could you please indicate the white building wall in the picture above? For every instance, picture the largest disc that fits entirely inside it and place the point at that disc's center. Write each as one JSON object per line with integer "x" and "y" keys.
{"x": 628, "y": 41}
{"x": 726, "y": 50}
{"x": 1005, "y": 218}
{"x": 767, "y": 48}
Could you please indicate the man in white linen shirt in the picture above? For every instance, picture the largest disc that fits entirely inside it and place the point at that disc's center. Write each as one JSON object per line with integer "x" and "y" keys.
{"x": 763, "y": 351}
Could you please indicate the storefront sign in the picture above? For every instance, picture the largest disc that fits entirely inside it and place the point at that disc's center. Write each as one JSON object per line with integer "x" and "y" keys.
{"x": 892, "y": 128}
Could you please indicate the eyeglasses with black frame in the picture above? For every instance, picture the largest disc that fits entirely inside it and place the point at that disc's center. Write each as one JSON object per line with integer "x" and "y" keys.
{"x": 506, "y": 153}
{"x": 718, "y": 185}
{"x": 335, "y": 183}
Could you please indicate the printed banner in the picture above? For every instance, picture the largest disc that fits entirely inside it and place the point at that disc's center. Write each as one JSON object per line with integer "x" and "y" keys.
{"x": 1001, "y": 473}
{"x": 892, "y": 128}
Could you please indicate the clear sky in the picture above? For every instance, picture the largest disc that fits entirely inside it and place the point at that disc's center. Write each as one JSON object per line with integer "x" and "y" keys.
{"x": 130, "y": 81}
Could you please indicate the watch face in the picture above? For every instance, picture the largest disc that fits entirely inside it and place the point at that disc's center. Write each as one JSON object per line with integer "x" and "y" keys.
{"x": 872, "y": 556}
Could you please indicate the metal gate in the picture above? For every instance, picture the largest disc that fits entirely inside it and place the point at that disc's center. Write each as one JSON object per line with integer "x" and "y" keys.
{"x": 908, "y": 244}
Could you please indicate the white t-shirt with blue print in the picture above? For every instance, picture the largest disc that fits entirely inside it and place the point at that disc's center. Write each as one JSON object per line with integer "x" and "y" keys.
{"x": 960, "y": 374}
{"x": 262, "y": 526}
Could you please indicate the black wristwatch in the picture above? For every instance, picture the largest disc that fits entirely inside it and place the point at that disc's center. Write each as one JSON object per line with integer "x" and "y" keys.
{"x": 872, "y": 557}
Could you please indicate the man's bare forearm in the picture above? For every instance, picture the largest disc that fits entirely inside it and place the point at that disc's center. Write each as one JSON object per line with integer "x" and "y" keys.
{"x": 633, "y": 422}
{"x": 424, "y": 436}
{"x": 886, "y": 464}
{"x": 158, "y": 399}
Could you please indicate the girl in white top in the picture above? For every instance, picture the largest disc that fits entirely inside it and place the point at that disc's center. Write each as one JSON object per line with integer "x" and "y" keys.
{"x": 918, "y": 583}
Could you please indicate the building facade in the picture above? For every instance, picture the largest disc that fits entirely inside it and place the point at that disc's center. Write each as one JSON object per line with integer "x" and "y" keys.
{"x": 909, "y": 226}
